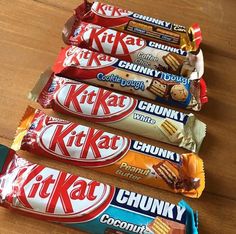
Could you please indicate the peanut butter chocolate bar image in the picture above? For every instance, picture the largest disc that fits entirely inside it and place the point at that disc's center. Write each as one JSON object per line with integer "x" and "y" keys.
{"x": 157, "y": 226}
{"x": 168, "y": 172}
{"x": 174, "y": 178}
{"x": 170, "y": 130}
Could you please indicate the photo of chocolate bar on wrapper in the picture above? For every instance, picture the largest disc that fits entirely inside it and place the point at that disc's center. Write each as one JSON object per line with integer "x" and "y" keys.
{"x": 174, "y": 178}
{"x": 163, "y": 226}
{"x": 140, "y": 25}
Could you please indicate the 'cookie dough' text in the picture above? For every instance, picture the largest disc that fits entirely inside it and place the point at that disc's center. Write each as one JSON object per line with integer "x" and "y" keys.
{"x": 123, "y": 82}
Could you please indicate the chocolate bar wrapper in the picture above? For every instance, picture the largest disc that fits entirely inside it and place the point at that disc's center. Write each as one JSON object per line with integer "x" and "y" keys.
{"x": 135, "y": 49}
{"x": 56, "y": 196}
{"x": 106, "y": 71}
{"x": 108, "y": 153}
{"x": 119, "y": 111}
{"x": 139, "y": 25}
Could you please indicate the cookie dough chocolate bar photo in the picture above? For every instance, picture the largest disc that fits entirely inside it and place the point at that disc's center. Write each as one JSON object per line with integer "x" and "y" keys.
{"x": 140, "y": 25}
{"x": 119, "y": 111}
{"x": 60, "y": 197}
{"x": 135, "y": 49}
{"x": 106, "y": 71}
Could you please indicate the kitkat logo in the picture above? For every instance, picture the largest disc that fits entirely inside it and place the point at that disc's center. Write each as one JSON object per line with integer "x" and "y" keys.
{"x": 86, "y": 146}
{"x": 111, "y": 42}
{"x": 94, "y": 103}
{"x": 85, "y": 59}
{"x": 105, "y": 10}
{"x": 62, "y": 197}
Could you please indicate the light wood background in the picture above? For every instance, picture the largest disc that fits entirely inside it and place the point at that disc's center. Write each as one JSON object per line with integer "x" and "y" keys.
{"x": 30, "y": 38}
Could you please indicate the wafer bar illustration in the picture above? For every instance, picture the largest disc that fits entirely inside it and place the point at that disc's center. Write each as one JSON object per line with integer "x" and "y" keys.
{"x": 140, "y": 25}
{"x": 85, "y": 200}
{"x": 174, "y": 62}
{"x": 160, "y": 88}
{"x": 157, "y": 226}
{"x": 175, "y": 179}
{"x": 168, "y": 36}
{"x": 169, "y": 128}
{"x": 168, "y": 172}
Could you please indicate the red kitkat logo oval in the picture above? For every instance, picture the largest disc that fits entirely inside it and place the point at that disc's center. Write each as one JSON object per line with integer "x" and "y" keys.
{"x": 62, "y": 197}
{"x": 96, "y": 104}
{"x": 111, "y": 42}
{"x": 87, "y": 146}
{"x": 85, "y": 59}
{"x": 106, "y": 10}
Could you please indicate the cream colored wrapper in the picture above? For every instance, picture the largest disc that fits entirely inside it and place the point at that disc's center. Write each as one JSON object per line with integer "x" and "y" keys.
{"x": 131, "y": 115}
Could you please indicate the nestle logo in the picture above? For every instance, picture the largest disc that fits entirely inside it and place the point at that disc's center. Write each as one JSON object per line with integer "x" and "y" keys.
{"x": 62, "y": 197}
{"x": 105, "y": 10}
{"x": 86, "y": 59}
{"x": 89, "y": 147}
{"x": 109, "y": 41}
{"x": 94, "y": 103}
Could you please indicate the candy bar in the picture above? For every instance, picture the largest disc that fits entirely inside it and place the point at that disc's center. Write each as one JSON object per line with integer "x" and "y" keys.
{"x": 107, "y": 153}
{"x": 170, "y": 173}
{"x": 170, "y": 130}
{"x": 118, "y": 111}
{"x": 157, "y": 226}
{"x": 52, "y": 195}
{"x": 103, "y": 70}
{"x": 136, "y": 50}
{"x": 137, "y": 24}
{"x": 163, "y": 226}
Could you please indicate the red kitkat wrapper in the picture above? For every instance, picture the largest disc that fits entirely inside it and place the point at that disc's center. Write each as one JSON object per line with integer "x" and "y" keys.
{"x": 106, "y": 71}
{"x": 136, "y": 50}
{"x": 119, "y": 111}
{"x": 140, "y": 25}
{"x": 56, "y": 196}
{"x": 109, "y": 153}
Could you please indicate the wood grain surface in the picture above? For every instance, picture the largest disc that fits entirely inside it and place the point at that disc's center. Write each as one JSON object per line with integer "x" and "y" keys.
{"x": 30, "y": 38}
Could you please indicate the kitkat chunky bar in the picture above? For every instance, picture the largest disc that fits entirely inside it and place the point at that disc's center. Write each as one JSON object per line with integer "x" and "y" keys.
{"x": 106, "y": 71}
{"x": 119, "y": 111}
{"x": 136, "y": 50}
{"x": 137, "y": 24}
{"x": 109, "y": 153}
{"x": 81, "y": 203}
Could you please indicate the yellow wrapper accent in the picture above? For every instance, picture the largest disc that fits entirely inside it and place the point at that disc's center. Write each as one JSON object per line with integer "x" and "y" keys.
{"x": 23, "y": 127}
{"x": 138, "y": 167}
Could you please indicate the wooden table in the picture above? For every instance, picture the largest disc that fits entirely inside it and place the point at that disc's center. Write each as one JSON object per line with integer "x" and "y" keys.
{"x": 30, "y": 35}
